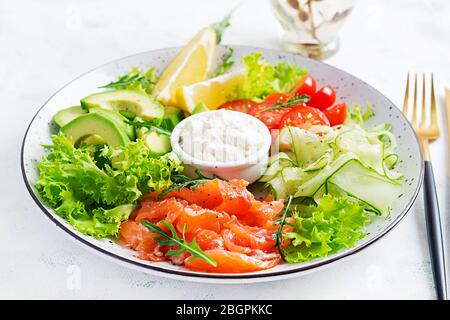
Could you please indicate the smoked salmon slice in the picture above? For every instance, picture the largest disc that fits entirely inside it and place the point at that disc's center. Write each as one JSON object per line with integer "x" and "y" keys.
{"x": 227, "y": 222}
{"x": 229, "y": 262}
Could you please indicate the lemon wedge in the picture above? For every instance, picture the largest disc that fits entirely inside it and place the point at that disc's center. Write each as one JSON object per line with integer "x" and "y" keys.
{"x": 212, "y": 92}
{"x": 191, "y": 65}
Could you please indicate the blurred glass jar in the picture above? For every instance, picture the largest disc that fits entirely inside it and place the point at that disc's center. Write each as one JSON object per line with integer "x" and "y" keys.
{"x": 311, "y": 26}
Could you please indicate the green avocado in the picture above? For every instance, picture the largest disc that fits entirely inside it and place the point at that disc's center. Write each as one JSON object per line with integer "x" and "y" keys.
{"x": 118, "y": 119}
{"x": 64, "y": 116}
{"x": 200, "y": 107}
{"x": 172, "y": 116}
{"x": 95, "y": 124}
{"x": 157, "y": 143}
{"x": 139, "y": 103}
{"x": 92, "y": 139}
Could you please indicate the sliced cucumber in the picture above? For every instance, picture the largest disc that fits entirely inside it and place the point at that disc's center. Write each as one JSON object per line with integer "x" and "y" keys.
{"x": 367, "y": 185}
{"x": 309, "y": 188}
{"x": 307, "y": 146}
{"x": 277, "y": 163}
{"x": 157, "y": 143}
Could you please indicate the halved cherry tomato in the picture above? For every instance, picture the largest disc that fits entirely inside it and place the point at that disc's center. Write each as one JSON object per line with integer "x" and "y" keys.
{"x": 271, "y": 118}
{"x": 305, "y": 86}
{"x": 336, "y": 114}
{"x": 275, "y": 97}
{"x": 304, "y": 117}
{"x": 323, "y": 98}
{"x": 241, "y": 105}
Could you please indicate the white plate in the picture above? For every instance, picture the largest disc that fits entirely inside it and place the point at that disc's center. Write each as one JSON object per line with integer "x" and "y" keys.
{"x": 349, "y": 89}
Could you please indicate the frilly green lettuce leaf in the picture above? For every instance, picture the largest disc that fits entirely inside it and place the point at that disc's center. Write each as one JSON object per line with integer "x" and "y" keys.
{"x": 334, "y": 224}
{"x": 264, "y": 78}
{"x": 84, "y": 188}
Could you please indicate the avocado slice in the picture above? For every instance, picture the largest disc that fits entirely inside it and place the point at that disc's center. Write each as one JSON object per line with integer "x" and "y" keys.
{"x": 200, "y": 107}
{"x": 139, "y": 103}
{"x": 118, "y": 119}
{"x": 64, "y": 116}
{"x": 172, "y": 116}
{"x": 95, "y": 123}
{"x": 157, "y": 143}
{"x": 92, "y": 139}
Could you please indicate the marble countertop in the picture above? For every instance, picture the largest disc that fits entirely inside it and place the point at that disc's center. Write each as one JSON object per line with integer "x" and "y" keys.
{"x": 45, "y": 44}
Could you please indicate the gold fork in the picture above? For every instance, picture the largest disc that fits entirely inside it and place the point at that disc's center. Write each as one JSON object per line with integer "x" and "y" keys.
{"x": 428, "y": 132}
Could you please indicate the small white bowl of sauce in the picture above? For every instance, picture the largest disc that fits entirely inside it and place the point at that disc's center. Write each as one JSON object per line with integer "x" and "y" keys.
{"x": 224, "y": 143}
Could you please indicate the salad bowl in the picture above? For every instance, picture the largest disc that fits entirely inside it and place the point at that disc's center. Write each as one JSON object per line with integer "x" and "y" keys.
{"x": 350, "y": 89}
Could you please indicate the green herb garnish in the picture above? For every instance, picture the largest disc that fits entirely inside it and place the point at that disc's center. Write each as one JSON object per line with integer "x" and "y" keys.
{"x": 142, "y": 123}
{"x": 226, "y": 65}
{"x": 174, "y": 240}
{"x": 219, "y": 27}
{"x": 289, "y": 103}
{"x": 278, "y": 235}
{"x": 180, "y": 181}
{"x": 135, "y": 79}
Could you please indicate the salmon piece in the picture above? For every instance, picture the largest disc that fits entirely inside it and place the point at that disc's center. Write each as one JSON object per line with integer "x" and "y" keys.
{"x": 226, "y": 196}
{"x": 236, "y": 199}
{"x": 262, "y": 214}
{"x": 229, "y": 262}
{"x": 155, "y": 211}
{"x": 196, "y": 218}
{"x": 209, "y": 240}
{"x": 232, "y": 245}
{"x": 136, "y": 236}
{"x": 208, "y": 195}
{"x": 223, "y": 217}
{"x": 248, "y": 236}
{"x": 149, "y": 249}
{"x": 132, "y": 233}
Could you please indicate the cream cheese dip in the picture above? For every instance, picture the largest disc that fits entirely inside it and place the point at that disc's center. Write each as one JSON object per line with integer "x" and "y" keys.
{"x": 215, "y": 140}
{"x": 221, "y": 136}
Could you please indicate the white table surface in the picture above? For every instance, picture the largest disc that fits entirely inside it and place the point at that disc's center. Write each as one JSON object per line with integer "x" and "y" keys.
{"x": 44, "y": 44}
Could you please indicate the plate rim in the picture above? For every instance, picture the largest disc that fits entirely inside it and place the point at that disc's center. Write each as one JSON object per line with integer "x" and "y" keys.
{"x": 189, "y": 275}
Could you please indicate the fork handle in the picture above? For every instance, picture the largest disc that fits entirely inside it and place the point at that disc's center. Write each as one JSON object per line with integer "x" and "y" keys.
{"x": 434, "y": 230}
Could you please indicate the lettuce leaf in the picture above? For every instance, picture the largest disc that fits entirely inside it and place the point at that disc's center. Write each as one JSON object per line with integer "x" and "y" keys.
{"x": 357, "y": 115}
{"x": 318, "y": 230}
{"x": 264, "y": 78}
{"x": 93, "y": 188}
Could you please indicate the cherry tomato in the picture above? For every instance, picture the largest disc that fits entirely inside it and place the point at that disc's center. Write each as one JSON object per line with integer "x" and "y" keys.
{"x": 276, "y": 97}
{"x": 241, "y": 105}
{"x": 304, "y": 117}
{"x": 271, "y": 118}
{"x": 323, "y": 98}
{"x": 336, "y": 114}
{"x": 305, "y": 86}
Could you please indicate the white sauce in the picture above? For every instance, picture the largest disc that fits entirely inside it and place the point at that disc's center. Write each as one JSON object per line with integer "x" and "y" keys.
{"x": 221, "y": 136}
